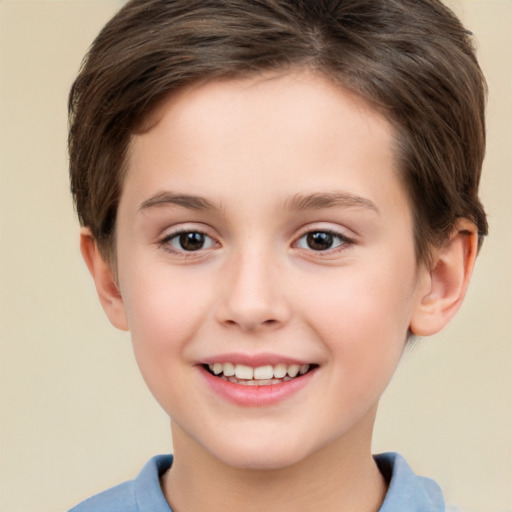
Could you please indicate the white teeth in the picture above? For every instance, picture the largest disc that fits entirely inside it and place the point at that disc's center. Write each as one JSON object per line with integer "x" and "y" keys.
{"x": 229, "y": 369}
{"x": 293, "y": 370}
{"x": 280, "y": 370}
{"x": 243, "y": 372}
{"x": 263, "y": 372}
{"x": 260, "y": 375}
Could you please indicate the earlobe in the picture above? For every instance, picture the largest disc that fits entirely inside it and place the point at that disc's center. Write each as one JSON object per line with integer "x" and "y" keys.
{"x": 103, "y": 276}
{"x": 444, "y": 285}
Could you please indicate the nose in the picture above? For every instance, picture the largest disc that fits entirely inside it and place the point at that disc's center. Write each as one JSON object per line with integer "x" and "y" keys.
{"x": 252, "y": 293}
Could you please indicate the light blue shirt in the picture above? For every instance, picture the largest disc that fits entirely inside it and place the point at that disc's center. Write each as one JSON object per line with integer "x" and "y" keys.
{"x": 406, "y": 492}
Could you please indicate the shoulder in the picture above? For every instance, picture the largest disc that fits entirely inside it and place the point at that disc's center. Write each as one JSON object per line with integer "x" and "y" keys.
{"x": 118, "y": 498}
{"x": 138, "y": 495}
{"x": 408, "y": 491}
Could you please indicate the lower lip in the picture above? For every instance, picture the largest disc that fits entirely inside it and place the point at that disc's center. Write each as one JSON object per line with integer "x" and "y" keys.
{"x": 256, "y": 396}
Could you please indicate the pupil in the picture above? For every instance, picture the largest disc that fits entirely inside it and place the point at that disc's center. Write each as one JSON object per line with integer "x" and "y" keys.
{"x": 191, "y": 241}
{"x": 320, "y": 241}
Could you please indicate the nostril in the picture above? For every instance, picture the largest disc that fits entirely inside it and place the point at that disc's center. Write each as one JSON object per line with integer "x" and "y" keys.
{"x": 253, "y": 325}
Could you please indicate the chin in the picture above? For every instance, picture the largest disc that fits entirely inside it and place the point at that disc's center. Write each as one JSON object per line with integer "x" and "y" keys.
{"x": 261, "y": 462}
{"x": 260, "y": 456}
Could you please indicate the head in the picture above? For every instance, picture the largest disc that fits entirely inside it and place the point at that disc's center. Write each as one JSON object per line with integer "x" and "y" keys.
{"x": 411, "y": 60}
{"x": 277, "y": 184}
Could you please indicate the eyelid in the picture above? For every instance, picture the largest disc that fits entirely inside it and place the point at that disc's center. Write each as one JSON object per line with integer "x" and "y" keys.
{"x": 164, "y": 240}
{"x": 348, "y": 240}
{"x": 327, "y": 227}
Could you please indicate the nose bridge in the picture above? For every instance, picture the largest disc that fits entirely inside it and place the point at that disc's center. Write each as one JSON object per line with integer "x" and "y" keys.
{"x": 253, "y": 293}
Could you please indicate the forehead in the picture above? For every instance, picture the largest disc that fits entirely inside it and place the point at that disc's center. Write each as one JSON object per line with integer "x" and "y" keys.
{"x": 269, "y": 98}
{"x": 287, "y": 133}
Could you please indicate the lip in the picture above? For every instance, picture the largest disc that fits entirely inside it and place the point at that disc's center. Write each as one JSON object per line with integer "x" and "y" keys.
{"x": 255, "y": 396}
{"x": 253, "y": 360}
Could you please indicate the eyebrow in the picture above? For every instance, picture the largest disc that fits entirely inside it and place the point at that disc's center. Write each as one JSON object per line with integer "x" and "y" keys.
{"x": 299, "y": 202}
{"x": 183, "y": 200}
{"x": 318, "y": 201}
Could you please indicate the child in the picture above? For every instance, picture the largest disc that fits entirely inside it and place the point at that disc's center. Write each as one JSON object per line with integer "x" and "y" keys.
{"x": 276, "y": 195}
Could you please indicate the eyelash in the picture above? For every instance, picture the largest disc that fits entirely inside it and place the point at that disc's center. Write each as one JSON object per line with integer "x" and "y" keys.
{"x": 344, "y": 241}
{"x": 166, "y": 242}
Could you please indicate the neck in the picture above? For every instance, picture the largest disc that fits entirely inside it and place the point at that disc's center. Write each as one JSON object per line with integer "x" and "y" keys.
{"x": 339, "y": 477}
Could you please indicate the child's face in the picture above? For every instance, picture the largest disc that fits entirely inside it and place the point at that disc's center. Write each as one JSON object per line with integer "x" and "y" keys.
{"x": 263, "y": 222}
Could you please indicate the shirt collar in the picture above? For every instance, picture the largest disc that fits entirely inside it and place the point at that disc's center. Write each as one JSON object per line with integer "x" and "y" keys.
{"x": 407, "y": 491}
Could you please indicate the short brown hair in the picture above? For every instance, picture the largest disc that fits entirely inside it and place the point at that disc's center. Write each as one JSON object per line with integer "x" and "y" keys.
{"x": 411, "y": 59}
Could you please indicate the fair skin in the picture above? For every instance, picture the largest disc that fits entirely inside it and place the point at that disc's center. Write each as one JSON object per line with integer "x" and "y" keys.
{"x": 262, "y": 223}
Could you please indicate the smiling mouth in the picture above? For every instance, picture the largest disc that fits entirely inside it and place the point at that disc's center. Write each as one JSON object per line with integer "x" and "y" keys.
{"x": 260, "y": 376}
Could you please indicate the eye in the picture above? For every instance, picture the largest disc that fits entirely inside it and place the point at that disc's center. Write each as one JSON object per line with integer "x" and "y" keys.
{"x": 321, "y": 240}
{"x": 188, "y": 241}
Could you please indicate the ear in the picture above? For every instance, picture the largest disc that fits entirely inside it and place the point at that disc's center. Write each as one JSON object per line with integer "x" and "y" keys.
{"x": 444, "y": 285}
{"x": 104, "y": 279}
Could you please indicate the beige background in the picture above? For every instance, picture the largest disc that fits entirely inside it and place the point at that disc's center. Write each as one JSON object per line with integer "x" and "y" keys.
{"x": 75, "y": 415}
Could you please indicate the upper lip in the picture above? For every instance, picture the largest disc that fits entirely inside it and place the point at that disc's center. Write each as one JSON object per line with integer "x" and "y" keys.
{"x": 253, "y": 360}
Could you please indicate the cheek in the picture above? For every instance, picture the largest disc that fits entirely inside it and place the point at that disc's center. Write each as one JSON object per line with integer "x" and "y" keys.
{"x": 363, "y": 318}
{"x": 164, "y": 312}
{"x": 161, "y": 300}
{"x": 356, "y": 302}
